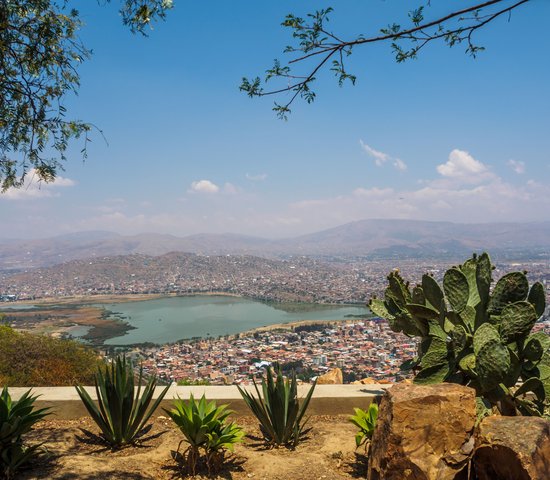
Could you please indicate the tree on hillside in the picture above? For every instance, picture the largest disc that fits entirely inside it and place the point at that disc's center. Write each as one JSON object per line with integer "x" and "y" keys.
{"x": 40, "y": 52}
{"x": 316, "y": 47}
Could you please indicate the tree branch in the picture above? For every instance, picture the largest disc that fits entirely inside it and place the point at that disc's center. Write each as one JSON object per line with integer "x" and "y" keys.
{"x": 454, "y": 28}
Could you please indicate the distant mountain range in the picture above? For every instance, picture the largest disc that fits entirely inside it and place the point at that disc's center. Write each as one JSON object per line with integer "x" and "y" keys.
{"x": 364, "y": 238}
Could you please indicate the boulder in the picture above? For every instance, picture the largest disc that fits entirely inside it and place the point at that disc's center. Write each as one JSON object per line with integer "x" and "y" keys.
{"x": 332, "y": 377}
{"x": 364, "y": 381}
{"x": 423, "y": 432}
{"x": 512, "y": 448}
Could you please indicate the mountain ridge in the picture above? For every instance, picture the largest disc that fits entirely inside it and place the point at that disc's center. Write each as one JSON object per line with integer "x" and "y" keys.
{"x": 372, "y": 237}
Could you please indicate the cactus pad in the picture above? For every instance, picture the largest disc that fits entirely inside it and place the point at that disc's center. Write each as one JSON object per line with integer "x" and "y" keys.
{"x": 484, "y": 334}
{"x": 537, "y": 344}
{"x": 537, "y": 298}
{"x": 456, "y": 289}
{"x": 512, "y": 287}
{"x": 517, "y": 320}
{"x": 472, "y": 337}
{"x": 492, "y": 364}
{"x": 432, "y": 291}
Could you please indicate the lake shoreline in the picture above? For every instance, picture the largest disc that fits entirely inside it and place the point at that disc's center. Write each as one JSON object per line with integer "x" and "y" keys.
{"x": 143, "y": 297}
{"x": 106, "y": 324}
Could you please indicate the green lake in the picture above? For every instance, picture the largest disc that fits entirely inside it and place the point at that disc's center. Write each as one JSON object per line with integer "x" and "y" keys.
{"x": 169, "y": 319}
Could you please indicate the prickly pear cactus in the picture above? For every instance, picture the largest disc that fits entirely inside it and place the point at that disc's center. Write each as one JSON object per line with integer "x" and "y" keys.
{"x": 474, "y": 336}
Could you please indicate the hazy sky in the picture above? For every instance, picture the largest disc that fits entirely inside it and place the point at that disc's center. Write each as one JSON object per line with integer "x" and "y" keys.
{"x": 444, "y": 137}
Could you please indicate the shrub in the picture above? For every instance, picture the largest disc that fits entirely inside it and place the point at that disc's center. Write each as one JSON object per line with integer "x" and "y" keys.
{"x": 365, "y": 422}
{"x": 204, "y": 426}
{"x": 278, "y": 408}
{"x": 185, "y": 382}
{"x": 39, "y": 360}
{"x": 122, "y": 412}
{"x": 474, "y": 336}
{"x": 16, "y": 419}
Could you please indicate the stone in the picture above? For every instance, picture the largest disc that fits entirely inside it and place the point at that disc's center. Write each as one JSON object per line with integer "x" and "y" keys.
{"x": 364, "y": 381}
{"x": 512, "y": 448}
{"x": 367, "y": 381}
{"x": 423, "y": 432}
{"x": 332, "y": 377}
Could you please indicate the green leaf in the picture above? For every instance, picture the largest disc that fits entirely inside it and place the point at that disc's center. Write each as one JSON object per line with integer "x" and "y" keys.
{"x": 432, "y": 291}
{"x": 422, "y": 311}
{"x": 398, "y": 289}
{"x": 435, "y": 352}
{"x": 485, "y": 333}
{"x": 517, "y": 320}
{"x": 409, "y": 364}
{"x": 537, "y": 298}
{"x": 435, "y": 374}
{"x": 122, "y": 410}
{"x": 469, "y": 269}
{"x": 492, "y": 364}
{"x": 16, "y": 419}
{"x": 468, "y": 363}
{"x": 459, "y": 337}
{"x": 514, "y": 371}
{"x": 278, "y": 408}
{"x": 468, "y": 318}
{"x": 532, "y": 384}
{"x": 435, "y": 330}
{"x": 378, "y": 307}
{"x": 536, "y": 345}
{"x": 455, "y": 285}
{"x": 483, "y": 279}
{"x": 512, "y": 287}
{"x": 418, "y": 296}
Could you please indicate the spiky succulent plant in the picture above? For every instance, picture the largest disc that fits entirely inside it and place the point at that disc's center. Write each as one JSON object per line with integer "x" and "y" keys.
{"x": 475, "y": 336}
{"x": 16, "y": 419}
{"x": 278, "y": 408}
{"x": 122, "y": 411}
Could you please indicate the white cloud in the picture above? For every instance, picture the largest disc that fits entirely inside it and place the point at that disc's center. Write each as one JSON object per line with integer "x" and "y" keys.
{"x": 260, "y": 177}
{"x": 461, "y": 165}
{"x": 204, "y": 186}
{"x": 517, "y": 166}
{"x": 400, "y": 165}
{"x": 466, "y": 190}
{"x": 449, "y": 195}
{"x": 373, "y": 192}
{"x": 33, "y": 188}
{"x": 380, "y": 158}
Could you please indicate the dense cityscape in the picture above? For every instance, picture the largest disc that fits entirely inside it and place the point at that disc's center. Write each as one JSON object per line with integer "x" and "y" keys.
{"x": 364, "y": 349}
{"x": 301, "y": 279}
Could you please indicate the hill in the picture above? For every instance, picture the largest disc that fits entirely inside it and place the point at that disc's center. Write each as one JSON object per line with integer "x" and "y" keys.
{"x": 39, "y": 360}
{"x": 375, "y": 238}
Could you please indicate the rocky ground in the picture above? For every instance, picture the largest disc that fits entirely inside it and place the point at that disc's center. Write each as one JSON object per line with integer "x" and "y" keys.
{"x": 328, "y": 452}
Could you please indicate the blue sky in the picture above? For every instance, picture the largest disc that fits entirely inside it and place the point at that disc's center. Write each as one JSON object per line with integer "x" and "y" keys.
{"x": 444, "y": 137}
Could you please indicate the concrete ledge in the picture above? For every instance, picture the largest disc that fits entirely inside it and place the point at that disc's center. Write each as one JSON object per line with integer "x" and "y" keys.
{"x": 326, "y": 400}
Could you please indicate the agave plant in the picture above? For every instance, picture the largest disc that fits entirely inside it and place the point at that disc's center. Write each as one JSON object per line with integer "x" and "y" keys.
{"x": 122, "y": 412}
{"x": 365, "y": 421}
{"x": 278, "y": 408}
{"x": 204, "y": 426}
{"x": 16, "y": 419}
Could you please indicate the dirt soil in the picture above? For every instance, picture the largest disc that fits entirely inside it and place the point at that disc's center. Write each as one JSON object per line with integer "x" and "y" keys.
{"x": 74, "y": 452}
